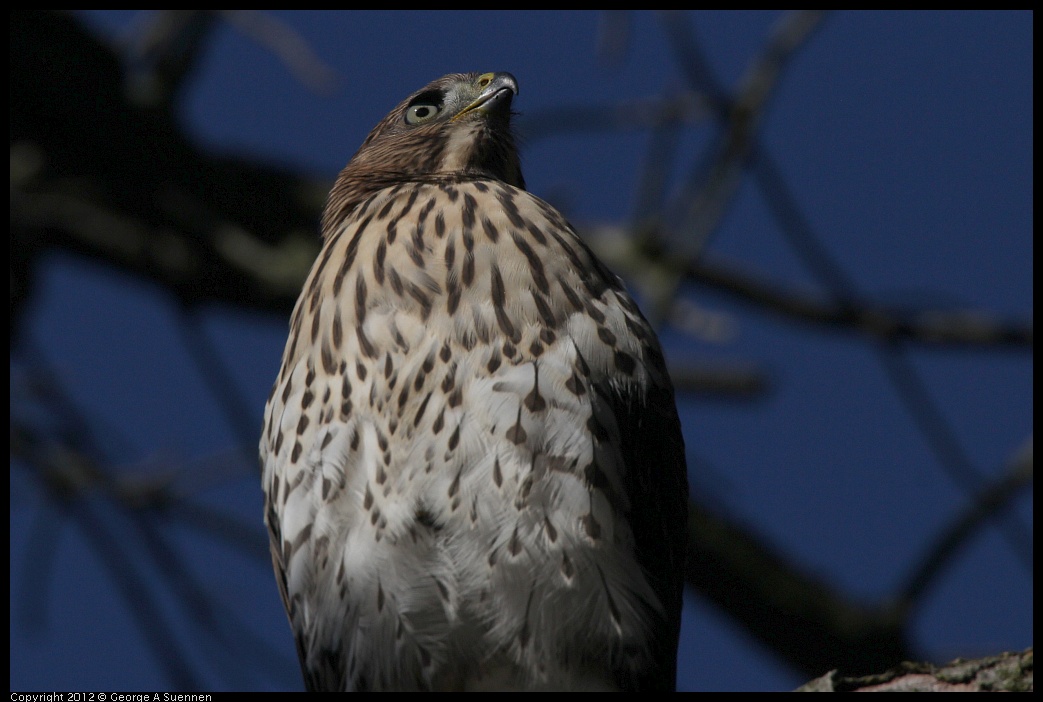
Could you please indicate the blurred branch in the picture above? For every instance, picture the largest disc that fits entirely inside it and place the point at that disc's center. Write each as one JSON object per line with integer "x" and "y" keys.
{"x": 220, "y": 380}
{"x": 946, "y": 445}
{"x": 731, "y": 381}
{"x": 709, "y": 195}
{"x": 809, "y": 625}
{"x": 922, "y": 326}
{"x": 246, "y": 236}
{"x": 682, "y": 109}
{"x": 118, "y": 513}
{"x": 715, "y": 180}
{"x": 225, "y": 263}
{"x": 615, "y": 31}
{"x": 165, "y": 46}
{"x": 96, "y": 174}
{"x": 67, "y": 475}
{"x": 33, "y": 589}
{"x": 81, "y": 493}
{"x": 795, "y": 226}
{"x": 988, "y": 503}
{"x": 931, "y": 327}
{"x": 286, "y": 43}
{"x": 226, "y": 635}
{"x": 163, "y": 51}
{"x": 906, "y": 380}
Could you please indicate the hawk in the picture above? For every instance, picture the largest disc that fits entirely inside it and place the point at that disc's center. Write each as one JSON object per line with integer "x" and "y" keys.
{"x": 473, "y": 468}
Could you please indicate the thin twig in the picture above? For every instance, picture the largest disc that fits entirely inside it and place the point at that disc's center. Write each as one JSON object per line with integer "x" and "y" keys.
{"x": 993, "y": 500}
{"x": 286, "y": 43}
{"x": 220, "y": 380}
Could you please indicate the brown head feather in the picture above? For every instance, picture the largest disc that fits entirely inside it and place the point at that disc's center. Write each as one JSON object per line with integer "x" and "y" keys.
{"x": 454, "y": 129}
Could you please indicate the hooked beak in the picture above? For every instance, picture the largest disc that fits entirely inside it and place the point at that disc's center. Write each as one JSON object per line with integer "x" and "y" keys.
{"x": 497, "y": 91}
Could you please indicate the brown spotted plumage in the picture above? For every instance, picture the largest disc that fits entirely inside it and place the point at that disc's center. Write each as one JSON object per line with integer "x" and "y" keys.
{"x": 472, "y": 463}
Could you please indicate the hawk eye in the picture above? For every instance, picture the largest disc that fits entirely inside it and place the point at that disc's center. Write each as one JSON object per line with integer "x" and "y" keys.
{"x": 422, "y": 111}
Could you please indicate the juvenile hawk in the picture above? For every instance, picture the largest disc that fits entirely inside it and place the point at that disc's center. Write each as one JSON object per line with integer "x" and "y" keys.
{"x": 473, "y": 468}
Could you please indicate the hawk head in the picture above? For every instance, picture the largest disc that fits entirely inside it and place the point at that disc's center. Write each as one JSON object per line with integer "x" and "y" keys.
{"x": 455, "y": 128}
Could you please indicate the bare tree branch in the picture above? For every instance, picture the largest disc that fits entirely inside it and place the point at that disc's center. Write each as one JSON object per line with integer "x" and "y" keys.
{"x": 988, "y": 503}
{"x": 810, "y": 626}
{"x": 923, "y": 326}
{"x": 1007, "y": 672}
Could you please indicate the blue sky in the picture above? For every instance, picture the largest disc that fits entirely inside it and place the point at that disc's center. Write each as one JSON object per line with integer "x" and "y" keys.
{"x": 906, "y": 140}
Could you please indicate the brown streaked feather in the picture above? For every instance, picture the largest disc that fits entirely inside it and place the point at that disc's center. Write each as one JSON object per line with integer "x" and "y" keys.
{"x": 473, "y": 467}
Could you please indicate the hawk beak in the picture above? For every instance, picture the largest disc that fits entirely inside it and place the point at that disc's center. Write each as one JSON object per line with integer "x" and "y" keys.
{"x": 497, "y": 91}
